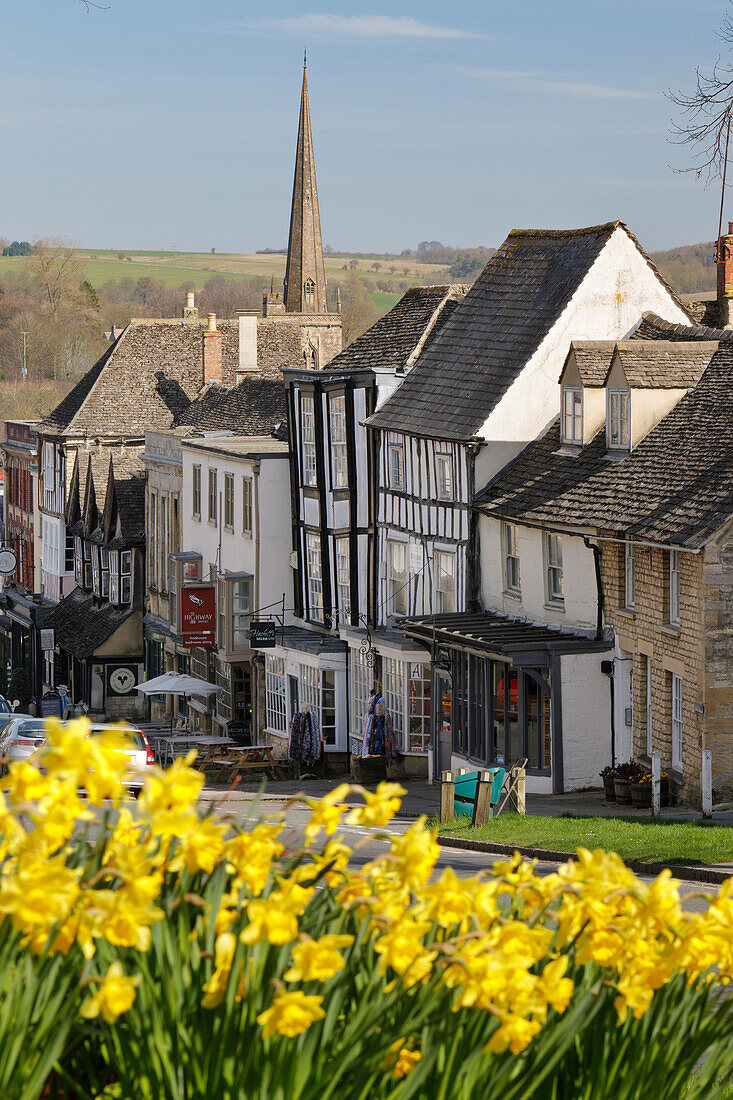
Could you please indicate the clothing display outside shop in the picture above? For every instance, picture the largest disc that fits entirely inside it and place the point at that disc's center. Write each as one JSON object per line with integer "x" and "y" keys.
{"x": 378, "y": 731}
{"x": 305, "y": 738}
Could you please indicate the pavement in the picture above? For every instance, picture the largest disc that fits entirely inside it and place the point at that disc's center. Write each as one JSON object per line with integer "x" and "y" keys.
{"x": 252, "y": 800}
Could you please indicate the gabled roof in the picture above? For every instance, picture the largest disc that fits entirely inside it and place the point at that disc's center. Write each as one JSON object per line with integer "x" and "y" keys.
{"x": 503, "y": 319}
{"x": 110, "y": 478}
{"x": 675, "y": 487}
{"x": 395, "y": 340}
{"x": 664, "y": 364}
{"x": 82, "y": 624}
{"x": 593, "y": 358}
{"x": 654, "y": 327}
{"x": 256, "y": 406}
{"x": 152, "y": 372}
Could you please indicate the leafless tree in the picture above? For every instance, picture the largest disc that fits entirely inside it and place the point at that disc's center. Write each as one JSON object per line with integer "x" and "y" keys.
{"x": 56, "y": 272}
{"x": 703, "y": 112}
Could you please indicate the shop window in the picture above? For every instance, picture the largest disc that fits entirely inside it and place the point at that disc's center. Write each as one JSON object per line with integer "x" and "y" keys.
{"x": 196, "y": 491}
{"x": 445, "y": 581}
{"x": 343, "y": 578}
{"x": 276, "y": 710}
{"x": 406, "y": 691}
{"x": 229, "y": 501}
{"x": 537, "y": 710}
{"x": 397, "y": 577}
{"x": 339, "y": 455}
{"x": 308, "y": 438}
{"x": 315, "y": 576}
{"x": 363, "y": 677}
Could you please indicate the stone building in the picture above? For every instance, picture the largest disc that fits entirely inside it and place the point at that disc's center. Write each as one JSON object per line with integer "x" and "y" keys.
{"x": 646, "y": 494}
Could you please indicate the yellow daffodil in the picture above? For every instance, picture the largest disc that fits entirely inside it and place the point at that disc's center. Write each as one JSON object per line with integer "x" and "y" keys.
{"x": 379, "y": 808}
{"x": 317, "y": 960}
{"x": 116, "y": 994}
{"x": 291, "y": 1014}
{"x": 326, "y": 813}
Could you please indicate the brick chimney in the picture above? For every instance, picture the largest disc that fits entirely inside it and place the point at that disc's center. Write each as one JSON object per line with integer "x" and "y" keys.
{"x": 212, "y": 351}
{"x": 725, "y": 278}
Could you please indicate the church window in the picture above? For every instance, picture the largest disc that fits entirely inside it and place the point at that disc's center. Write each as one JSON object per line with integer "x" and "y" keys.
{"x": 309, "y": 293}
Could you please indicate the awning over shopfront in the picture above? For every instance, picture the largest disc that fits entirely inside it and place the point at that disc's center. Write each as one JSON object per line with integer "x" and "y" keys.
{"x": 307, "y": 641}
{"x": 82, "y": 624}
{"x": 527, "y": 644}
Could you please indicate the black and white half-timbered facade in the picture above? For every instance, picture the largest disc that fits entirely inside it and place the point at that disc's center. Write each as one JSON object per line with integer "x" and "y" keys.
{"x": 97, "y": 627}
{"x": 480, "y": 393}
{"x": 335, "y": 565}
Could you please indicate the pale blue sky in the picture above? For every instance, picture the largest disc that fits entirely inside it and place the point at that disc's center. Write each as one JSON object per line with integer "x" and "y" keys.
{"x": 172, "y": 123}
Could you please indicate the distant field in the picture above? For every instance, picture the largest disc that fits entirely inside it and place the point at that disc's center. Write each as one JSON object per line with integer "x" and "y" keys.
{"x": 173, "y": 268}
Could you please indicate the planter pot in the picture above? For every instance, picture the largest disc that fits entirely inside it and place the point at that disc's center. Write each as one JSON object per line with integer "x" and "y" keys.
{"x": 664, "y": 792}
{"x": 623, "y": 790}
{"x": 641, "y": 794}
{"x": 369, "y": 769}
{"x": 608, "y": 788}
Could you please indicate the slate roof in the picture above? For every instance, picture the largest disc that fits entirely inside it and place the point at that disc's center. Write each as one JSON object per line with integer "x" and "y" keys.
{"x": 675, "y": 487}
{"x": 82, "y": 624}
{"x": 654, "y": 327}
{"x": 664, "y": 364}
{"x": 493, "y": 632}
{"x": 256, "y": 406}
{"x": 484, "y": 345}
{"x": 151, "y": 373}
{"x": 393, "y": 340}
{"x": 593, "y": 358}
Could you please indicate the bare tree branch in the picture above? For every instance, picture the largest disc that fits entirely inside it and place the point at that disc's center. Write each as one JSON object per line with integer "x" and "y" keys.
{"x": 89, "y": 4}
{"x": 704, "y": 111}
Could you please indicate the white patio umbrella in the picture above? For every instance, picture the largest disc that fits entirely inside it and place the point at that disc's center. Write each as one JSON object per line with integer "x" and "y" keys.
{"x": 178, "y": 683}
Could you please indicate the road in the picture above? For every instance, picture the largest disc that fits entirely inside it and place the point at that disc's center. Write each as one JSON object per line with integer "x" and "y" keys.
{"x": 464, "y": 862}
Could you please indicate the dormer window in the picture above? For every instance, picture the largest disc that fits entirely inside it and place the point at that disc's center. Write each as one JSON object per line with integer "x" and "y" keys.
{"x": 618, "y": 431}
{"x": 572, "y": 415}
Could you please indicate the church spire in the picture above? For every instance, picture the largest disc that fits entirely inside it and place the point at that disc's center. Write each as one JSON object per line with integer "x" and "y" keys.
{"x": 305, "y": 276}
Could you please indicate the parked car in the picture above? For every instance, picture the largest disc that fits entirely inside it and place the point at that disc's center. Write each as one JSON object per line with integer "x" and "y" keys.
{"x": 22, "y": 736}
{"x": 5, "y": 707}
{"x": 139, "y": 753}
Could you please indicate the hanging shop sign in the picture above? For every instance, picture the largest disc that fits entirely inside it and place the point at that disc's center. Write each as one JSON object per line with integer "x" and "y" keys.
{"x": 48, "y": 639}
{"x": 198, "y": 615}
{"x": 262, "y": 635}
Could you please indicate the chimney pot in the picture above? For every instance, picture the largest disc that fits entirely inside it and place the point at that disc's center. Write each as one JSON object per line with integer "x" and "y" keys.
{"x": 211, "y": 322}
{"x": 189, "y": 299}
{"x": 247, "y": 342}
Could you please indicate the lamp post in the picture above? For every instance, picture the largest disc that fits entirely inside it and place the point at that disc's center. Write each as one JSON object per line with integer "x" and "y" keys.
{"x": 24, "y": 368}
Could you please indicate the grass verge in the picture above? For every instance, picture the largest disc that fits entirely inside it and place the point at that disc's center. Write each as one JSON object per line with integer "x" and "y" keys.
{"x": 633, "y": 838}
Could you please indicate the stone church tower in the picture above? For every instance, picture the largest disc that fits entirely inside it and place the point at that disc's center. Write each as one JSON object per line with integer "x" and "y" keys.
{"x": 305, "y": 276}
{"x": 304, "y": 299}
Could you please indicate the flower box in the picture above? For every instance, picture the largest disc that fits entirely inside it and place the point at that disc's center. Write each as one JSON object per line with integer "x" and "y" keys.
{"x": 369, "y": 769}
{"x": 641, "y": 795}
{"x": 623, "y": 789}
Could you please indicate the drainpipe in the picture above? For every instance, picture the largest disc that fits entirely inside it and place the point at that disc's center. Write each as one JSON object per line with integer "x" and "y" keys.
{"x": 599, "y": 586}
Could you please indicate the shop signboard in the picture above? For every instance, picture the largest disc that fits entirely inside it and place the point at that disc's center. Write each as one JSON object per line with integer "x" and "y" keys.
{"x": 198, "y": 615}
{"x": 262, "y": 635}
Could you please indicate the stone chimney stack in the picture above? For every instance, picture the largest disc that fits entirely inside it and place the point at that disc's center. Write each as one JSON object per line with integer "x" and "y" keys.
{"x": 725, "y": 278}
{"x": 212, "y": 352}
{"x": 190, "y": 313}
{"x": 247, "y": 342}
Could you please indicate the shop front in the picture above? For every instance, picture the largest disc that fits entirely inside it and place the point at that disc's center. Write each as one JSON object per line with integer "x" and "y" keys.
{"x": 500, "y": 690}
{"x": 306, "y": 669}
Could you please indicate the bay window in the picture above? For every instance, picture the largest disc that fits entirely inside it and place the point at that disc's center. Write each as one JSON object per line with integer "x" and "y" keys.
{"x": 308, "y": 438}
{"x": 275, "y": 704}
{"x": 125, "y": 576}
{"x": 343, "y": 578}
{"x": 314, "y": 576}
{"x": 114, "y": 576}
{"x": 241, "y": 608}
{"x": 397, "y": 577}
{"x": 339, "y": 451}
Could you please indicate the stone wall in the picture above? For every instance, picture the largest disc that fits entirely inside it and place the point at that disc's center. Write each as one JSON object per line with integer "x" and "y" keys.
{"x": 717, "y": 570}
{"x": 645, "y": 632}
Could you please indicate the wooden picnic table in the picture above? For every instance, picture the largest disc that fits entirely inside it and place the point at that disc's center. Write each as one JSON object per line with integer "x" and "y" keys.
{"x": 251, "y": 758}
{"x": 187, "y": 740}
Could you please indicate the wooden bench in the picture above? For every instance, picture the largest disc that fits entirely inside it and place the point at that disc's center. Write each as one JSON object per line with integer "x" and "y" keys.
{"x": 471, "y": 794}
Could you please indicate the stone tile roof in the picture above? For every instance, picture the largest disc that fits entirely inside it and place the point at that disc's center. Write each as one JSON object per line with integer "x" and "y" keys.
{"x": 148, "y": 377}
{"x": 503, "y": 319}
{"x": 654, "y": 327}
{"x": 664, "y": 364}
{"x": 395, "y": 340}
{"x": 127, "y": 465}
{"x": 593, "y": 358}
{"x": 256, "y": 406}
{"x": 676, "y": 486}
{"x": 82, "y": 624}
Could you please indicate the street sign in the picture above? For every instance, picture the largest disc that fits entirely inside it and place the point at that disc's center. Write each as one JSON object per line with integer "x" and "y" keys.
{"x": 262, "y": 635}
{"x": 8, "y": 561}
{"x": 198, "y": 615}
